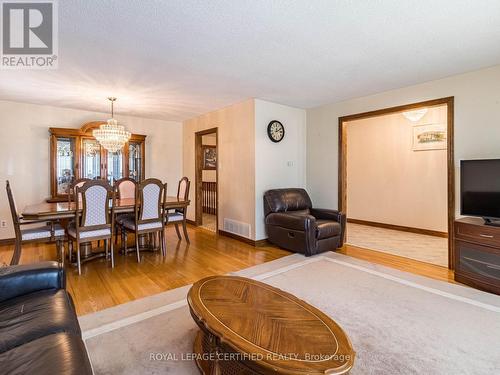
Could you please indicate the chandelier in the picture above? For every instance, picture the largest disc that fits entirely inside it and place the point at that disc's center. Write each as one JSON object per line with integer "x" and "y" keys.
{"x": 112, "y": 136}
{"x": 415, "y": 115}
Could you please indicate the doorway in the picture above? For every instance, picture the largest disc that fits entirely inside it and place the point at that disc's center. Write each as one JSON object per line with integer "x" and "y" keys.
{"x": 207, "y": 191}
{"x": 414, "y": 129}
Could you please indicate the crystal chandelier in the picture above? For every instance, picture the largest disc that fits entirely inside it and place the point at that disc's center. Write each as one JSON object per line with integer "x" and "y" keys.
{"x": 112, "y": 136}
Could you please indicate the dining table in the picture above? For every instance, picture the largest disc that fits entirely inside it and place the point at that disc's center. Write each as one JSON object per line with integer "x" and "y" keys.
{"x": 56, "y": 211}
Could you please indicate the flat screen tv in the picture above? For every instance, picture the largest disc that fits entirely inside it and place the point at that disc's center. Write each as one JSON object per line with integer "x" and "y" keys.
{"x": 480, "y": 189}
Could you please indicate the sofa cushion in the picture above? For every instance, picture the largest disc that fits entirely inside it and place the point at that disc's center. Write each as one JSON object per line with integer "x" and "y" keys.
{"x": 61, "y": 353}
{"x": 31, "y": 316}
{"x": 327, "y": 228}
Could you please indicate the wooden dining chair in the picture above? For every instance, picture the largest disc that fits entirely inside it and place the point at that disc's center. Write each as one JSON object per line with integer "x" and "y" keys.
{"x": 94, "y": 218}
{"x": 49, "y": 232}
{"x": 125, "y": 189}
{"x": 179, "y": 214}
{"x": 78, "y": 183}
{"x": 149, "y": 214}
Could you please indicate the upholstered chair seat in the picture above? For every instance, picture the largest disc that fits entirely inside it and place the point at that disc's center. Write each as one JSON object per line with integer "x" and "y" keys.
{"x": 43, "y": 232}
{"x": 175, "y": 216}
{"x": 129, "y": 223}
{"x": 89, "y": 233}
{"x": 27, "y": 231}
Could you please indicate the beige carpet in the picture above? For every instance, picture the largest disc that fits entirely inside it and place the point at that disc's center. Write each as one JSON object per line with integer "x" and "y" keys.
{"x": 398, "y": 323}
{"x": 429, "y": 249}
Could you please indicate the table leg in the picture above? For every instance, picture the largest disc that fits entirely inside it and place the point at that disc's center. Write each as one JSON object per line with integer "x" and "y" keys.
{"x": 206, "y": 367}
{"x": 17, "y": 253}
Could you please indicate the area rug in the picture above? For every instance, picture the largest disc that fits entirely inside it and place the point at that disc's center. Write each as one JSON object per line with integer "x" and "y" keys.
{"x": 398, "y": 323}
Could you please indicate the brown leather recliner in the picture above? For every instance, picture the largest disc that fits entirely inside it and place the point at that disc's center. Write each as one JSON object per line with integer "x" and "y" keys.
{"x": 292, "y": 223}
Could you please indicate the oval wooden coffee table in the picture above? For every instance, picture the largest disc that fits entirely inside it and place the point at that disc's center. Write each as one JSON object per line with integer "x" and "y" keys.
{"x": 248, "y": 327}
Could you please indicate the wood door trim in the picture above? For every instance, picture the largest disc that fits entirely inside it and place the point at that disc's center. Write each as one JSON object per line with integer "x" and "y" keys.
{"x": 199, "y": 175}
{"x": 401, "y": 228}
{"x": 342, "y": 158}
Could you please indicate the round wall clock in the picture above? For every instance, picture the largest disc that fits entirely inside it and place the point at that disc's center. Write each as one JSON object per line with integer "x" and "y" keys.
{"x": 275, "y": 131}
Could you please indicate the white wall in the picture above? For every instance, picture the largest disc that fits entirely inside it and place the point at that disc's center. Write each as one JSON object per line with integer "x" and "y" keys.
{"x": 477, "y": 125}
{"x": 24, "y": 150}
{"x": 277, "y": 165}
{"x": 387, "y": 181}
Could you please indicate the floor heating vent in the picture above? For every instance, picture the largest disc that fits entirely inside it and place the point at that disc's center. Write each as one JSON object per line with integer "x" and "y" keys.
{"x": 237, "y": 227}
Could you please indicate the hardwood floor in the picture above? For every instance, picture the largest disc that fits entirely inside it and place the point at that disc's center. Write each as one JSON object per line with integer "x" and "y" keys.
{"x": 100, "y": 286}
{"x": 404, "y": 264}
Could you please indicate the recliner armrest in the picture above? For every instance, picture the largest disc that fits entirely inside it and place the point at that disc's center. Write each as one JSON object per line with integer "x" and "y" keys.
{"x": 338, "y": 216}
{"x": 19, "y": 280}
{"x": 291, "y": 221}
{"x": 326, "y": 214}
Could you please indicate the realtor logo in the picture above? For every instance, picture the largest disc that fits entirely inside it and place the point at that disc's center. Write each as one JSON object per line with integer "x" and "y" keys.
{"x": 29, "y": 34}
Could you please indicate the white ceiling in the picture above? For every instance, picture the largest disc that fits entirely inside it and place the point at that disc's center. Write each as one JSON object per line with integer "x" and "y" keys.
{"x": 175, "y": 59}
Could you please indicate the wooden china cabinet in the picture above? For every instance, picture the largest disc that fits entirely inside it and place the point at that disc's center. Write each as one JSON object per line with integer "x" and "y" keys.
{"x": 75, "y": 153}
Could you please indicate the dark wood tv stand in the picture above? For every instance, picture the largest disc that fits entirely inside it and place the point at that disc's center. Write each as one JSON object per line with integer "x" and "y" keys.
{"x": 477, "y": 254}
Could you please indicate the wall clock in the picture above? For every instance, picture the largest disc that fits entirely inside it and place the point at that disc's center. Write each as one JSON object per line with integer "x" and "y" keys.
{"x": 275, "y": 131}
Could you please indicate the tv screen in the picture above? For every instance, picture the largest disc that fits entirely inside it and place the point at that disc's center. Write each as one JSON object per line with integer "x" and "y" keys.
{"x": 480, "y": 188}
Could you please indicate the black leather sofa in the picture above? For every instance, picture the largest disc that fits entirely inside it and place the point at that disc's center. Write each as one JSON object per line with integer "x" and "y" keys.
{"x": 292, "y": 223}
{"x": 39, "y": 330}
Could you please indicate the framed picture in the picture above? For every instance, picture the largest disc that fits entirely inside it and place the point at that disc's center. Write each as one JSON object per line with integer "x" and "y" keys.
{"x": 430, "y": 137}
{"x": 209, "y": 157}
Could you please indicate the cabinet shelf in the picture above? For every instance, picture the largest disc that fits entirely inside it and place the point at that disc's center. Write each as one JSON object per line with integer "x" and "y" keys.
{"x": 75, "y": 153}
{"x": 477, "y": 254}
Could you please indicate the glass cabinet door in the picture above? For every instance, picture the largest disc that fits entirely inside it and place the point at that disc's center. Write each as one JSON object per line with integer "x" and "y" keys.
{"x": 91, "y": 159}
{"x": 65, "y": 164}
{"x": 115, "y": 166}
{"x": 135, "y": 161}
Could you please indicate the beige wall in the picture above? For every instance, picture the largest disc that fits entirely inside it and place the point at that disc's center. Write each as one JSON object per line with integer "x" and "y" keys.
{"x": 24, "y": 149}
{"x": 236, "y": 160}
{"x": 388, "y": 182}
{"x": 477, "y": 129}
{"x": 209, "y": 175}
{"x": 249, "y": 163}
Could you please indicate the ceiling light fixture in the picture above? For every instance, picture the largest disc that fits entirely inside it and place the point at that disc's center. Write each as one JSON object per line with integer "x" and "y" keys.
{"x": 415, "y": 115}
{"x": 110, "y": 135}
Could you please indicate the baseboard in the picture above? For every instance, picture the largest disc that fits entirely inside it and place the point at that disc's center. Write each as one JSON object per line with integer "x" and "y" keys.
{"x": 7, "y": 241}
{"x": 192, "y": 222}
{"x": 258, "y": 243}
{"x": 237, "y": 237}
{"x": 428, "y": 232}
{"x": 262, "y": 243}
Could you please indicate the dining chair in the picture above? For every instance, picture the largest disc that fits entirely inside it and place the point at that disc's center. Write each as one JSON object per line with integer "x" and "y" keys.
{"x": 149, "y": 214}
{"x": 94, "y": 220}
{"x": 78, "y": 183}
{"x": 179, "y": 214}
{"x": 49, "y": 232}
{"x": 125, "y": 189}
